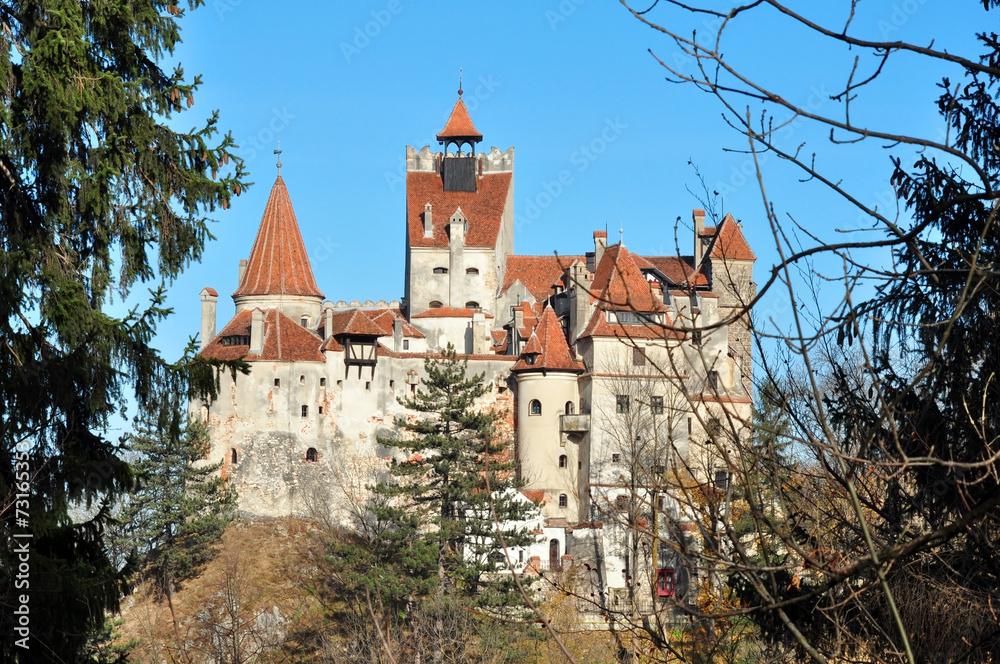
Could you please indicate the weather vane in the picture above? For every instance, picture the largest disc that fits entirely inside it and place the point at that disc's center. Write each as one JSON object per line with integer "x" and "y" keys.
{"x": 278, "y": 152}
{"x": 459, "y": 81}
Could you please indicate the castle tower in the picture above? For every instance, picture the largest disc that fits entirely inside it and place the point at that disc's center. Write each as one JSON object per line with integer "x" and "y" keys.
{"x": 278, "y": 274}
{"x": 459, "y": 229}
{"x": 548, "y": 399}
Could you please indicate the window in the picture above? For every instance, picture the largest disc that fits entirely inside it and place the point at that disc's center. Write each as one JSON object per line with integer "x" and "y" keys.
{"x": 406, "y": 344}
{"x": 368, "y": 386}
{"x": 305, "y": 411}
{"x": 472, "y": 271}
{"x": 563, "y": 500}
{"x": 236, "y": 340}
{"x": 665, "y": 582}
{"x": 689, "y": 427}
{"x": 621, "y": 503}
{"x": 322, "y": 382}
{"x": 713, "y": 381}
{"x": 440, "y": 270}
{"x": 579, "y": 465}
{"x": 656, "y": 405}
{"x": 392, "y": 384}
{"x": 311, "y": 454}
{"x": 321, "y": 410}
{"x": 658, "y": 470}
{"x": 616, "y": 458}
{"x": 622, "y": 403}
{"x": 569, "y": 407}
{"x": 535, "y": 407}
{"x": 277, "y": 382}
{"x": 722, "y": 480}
{"x": 630, "y": 318}
{"x": 304, "y": 322}
{"x": 302, "y": 380}
{"x": 661, "y": 501}
{"x": 233, "y": 457}
{"x": 340, "y": 383}
{"x": 563, "y": 461}
{"x": 471, "y": 304}
{"x": 434, "y": 304}
{"x": 638, "y": 357}
{"x": 696, "y": 337}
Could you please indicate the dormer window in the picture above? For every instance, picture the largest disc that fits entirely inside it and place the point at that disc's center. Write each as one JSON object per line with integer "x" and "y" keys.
{"x": 235, "y": 340}
{"x": 440, "y": 270}
{"x": 304, "y": 321}
{"x": 471, "y": 304}
{"x": 472, "y": 271}
{"x": 434, "y": 304}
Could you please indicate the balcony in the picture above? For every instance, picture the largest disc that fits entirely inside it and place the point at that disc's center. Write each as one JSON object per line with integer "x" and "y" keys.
{"x": 579, "y": 424}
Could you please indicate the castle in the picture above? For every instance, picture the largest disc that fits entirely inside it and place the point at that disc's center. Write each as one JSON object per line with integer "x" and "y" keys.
{"x": 608, "y": 366}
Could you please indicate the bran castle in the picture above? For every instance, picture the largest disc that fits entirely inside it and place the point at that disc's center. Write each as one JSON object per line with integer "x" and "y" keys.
{"x": 607, "y": 367}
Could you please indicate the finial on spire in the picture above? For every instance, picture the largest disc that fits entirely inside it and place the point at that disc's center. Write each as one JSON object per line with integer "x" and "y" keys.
{"x": 278, "y": 152}
{"x": 621, "y": 232}
{"x": 459, "y": 81}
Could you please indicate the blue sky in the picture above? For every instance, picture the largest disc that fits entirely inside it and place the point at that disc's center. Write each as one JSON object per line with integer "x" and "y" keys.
{"x": 570, "y": 84}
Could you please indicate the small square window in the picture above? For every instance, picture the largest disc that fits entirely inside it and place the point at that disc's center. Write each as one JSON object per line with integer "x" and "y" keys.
{"x": 340, "y": 383}
{"x": 392, "y": 384}
{"x": 621, "y": 503}
{"x": 638, "y": 357}
{"x": 302, "y": 380}
{"x": 579, "y": 465}
{"x": 277, "y": 382}
{"x": 656, "y": 405}
{"x": 321, "y": 410}
{"x": 305, "y": 411}
{"x": 322, "y": 382}
{"x": 622, "y": 403}
{"x": 563, "y": 500}
{"x": 616, "y": 458}
{"x": 696, "y": 337}
{"x": 368, "y": 386}
{"x": 713, "y": 381}
{"x": 406, "y": 344}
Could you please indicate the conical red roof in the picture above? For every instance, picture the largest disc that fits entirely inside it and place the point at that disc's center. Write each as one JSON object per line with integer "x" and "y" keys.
{"x": 278, "y": 262}
{"x": 549, "y": 341}
{"x": 459, "y": 124}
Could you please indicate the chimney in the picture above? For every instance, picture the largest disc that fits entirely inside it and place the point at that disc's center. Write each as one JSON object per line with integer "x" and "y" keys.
{"x": 699, "y": 227}
{"x": 579, "y": 299}
{"x": 600, "y": 244}
{"x": 428, "y": 221}
{"x": 516, "y": 333}
{"x": 209, "y": 298}
{"x": 257, "y": 332}
{"x": 243, "y": 270}
{"x": 479, "y": 334}
{"x": 327, "y": 321}
{"x": 397, "y": 334}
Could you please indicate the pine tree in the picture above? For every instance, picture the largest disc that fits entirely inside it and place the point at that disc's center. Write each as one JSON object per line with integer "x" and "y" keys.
{"x": 98, "y": 194}
{"x": 181, "y": 507}
{"x": 457, "y": 487}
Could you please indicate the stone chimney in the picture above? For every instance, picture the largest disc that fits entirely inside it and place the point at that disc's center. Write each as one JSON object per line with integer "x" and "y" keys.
{"x": 579, "y": 299}
{"x": 257, "y": 331}
{"x": 397, "y": 335}
{"x": 456, "y": 267}
{"x": 209, "y": 298}
{"x": 699, "y": 227}
{"x": 480, "y": 346}
{"x": 327, "y": 320}
{"x": 428, "y": 221}
{"x": 243, "y": 270}
{"x": 600, "y": 244}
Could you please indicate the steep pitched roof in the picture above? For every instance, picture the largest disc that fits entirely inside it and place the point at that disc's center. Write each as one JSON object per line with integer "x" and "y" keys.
{"x": 483, "y": 208}
{"x": 386, "y": 318}
{"x": 459, "y": 124}
{"x": 549, "y": 341}
{"x": 284, "y": 339}
{"x": 538, "y": 274}
{"x": 600, "y": 326}
{"x": 677, "y": 269}
{"x": 730, "y": 242}
{"x": 354, "y": 322}
{"x": 278, "y": 262}
{"x": 619, "y": 284}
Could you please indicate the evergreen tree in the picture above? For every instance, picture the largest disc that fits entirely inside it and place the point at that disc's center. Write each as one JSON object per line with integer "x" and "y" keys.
{"x": 98, "y": 195}
{"x": 457, "y": 487}
{"x": 181, "y": 507}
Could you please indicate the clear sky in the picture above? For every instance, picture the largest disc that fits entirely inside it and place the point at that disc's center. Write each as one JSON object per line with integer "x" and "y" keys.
{"x": 345, "y": 86}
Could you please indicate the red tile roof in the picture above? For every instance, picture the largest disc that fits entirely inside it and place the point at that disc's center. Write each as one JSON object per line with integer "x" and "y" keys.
{"x": 537, "y": 273}
{"x": 483, "y": 208}
{"x": 500, "y": 342}
{"x": 549, "y": 341}
{"x": 284, "y": 339}
{"x": 730, "y": 243}
{"x": 677, "y": 269}
{"x": 278, "y": 262}
{"x": 448, "y": 312}
{"x": 459, "y": 124}
{"x": 211, "y": 291}
{"x": 618, "y": 283}
{"x": 354, "y": 322}
{"x": 385, "y": 318}
{"x": 600, "y": 327}
{"x": 534, "y": 495}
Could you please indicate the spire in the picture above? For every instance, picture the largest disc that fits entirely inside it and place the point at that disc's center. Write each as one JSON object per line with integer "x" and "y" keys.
{"x": 459, "y": 128}
{"x": 547, "y": 349}
{"x": 278, "y": 262}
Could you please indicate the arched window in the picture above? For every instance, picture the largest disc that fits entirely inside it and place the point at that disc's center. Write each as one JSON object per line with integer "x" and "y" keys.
{"x": 233, "y": 457}
{"x": 311, "y": 454}
{"x": 535, "y": 407}
{"x": 440, "y": 270}
{"x": 563, "y": 500}
{"x": 569, "y": 407}
{"x": 435, "y": 304}
{"x": 563, "y": 461}
{"x": 471, "y": 304}
{"x": 472, "y": 271}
